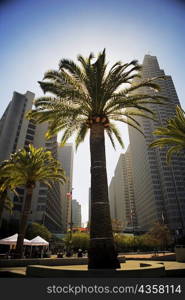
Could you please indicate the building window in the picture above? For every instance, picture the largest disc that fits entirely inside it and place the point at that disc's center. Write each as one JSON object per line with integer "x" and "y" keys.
{"x": 30, "y": 131}
{"x": 29, "y": 137}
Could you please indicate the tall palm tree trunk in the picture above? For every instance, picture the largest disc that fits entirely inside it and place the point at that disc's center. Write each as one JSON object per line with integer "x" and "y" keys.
{"x": 23, "y": 222}
{"x": 102, "y": 253}
{"x": 2, "y": 203}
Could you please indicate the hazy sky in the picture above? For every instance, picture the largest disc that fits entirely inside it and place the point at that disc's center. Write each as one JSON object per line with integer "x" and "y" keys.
{"x": 35, "y": 35}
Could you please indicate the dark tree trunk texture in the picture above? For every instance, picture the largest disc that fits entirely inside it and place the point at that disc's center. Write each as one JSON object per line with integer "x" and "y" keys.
{"x": 23, "y": 222}
{"x": 2, "y": 203}
{"x": 102, "y": 252}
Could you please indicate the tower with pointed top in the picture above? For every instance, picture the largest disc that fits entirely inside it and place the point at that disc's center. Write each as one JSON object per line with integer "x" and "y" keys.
{"x": 159, "y": 188}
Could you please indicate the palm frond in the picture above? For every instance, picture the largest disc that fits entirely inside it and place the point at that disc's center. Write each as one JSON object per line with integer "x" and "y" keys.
{"x": 86, "y": 92}
{"x": 173, "y": 135}
{"x": 172, "y": 150}
{"x": 117, "y": 134}
{"x": 110, "y": 135}
{"x": 165, "y": 141}
{"x": 34, "y": 164}
{"x": 81, "y": 134}
{"x": 73, "y": 69}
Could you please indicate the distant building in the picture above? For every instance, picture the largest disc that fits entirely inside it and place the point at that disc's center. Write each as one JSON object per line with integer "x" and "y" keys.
{"x": 76, "y": 214}
{"x": 15, "y": 130}
{"x": 159, "y": 188}
{"x": 65, "y": 156}
{"x": 121, "y": 194}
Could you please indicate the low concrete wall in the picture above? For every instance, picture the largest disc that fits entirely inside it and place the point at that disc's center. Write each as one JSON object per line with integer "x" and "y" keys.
{"x": 42, "y": 261}
{"x": 147, "y": 270}
{"x": 170, "y": 257}
{"x": 6, "y": 263}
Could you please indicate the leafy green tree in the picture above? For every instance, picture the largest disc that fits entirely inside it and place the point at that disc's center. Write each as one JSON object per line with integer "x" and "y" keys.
{"x": 161, "y": 233}
{"x": 147, "y": 242}
{"x": 80, "y": 240}
{"x": 117, "y": 225}
{"x": 144, "y": 242}
{"x": 26, "y": 167}
{"x": 173, "y": 135}
{"x": 88, "y": 98}
{"x": 35, "y": 229}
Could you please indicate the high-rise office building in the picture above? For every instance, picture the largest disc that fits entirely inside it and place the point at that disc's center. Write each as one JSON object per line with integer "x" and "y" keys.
{"x": 47, "y": 202}
{"x": 159, "y": 188}
{"x": 76, "y": 214}
{"x": 17, "y": 132}
{"x": 121, "y": 194}
{"x": 65, "y": 156}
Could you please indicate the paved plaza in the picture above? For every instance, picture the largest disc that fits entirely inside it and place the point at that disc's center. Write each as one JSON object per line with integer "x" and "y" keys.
{"x": 133, "y": 261}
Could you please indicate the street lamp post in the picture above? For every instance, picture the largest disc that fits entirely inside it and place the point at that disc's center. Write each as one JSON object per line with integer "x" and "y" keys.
{"x": 71, "y": 224}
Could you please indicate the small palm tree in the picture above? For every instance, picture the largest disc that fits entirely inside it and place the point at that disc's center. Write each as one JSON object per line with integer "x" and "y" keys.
{"x": 26, "y": 167}
{"x": 86, "y": 98}
{"x": 173, "y": 135}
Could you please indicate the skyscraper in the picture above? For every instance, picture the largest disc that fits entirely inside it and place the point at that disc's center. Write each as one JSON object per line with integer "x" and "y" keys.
{"x": 76, "y": 214}
{"x": 121, "y": 193}
{"x": 17, "y": 132}
{"x": 65, "y": 156}
{"x": 159, "y": 188}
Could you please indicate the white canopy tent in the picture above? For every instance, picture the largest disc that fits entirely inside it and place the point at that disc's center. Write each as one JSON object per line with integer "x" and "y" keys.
{"x": 12, "y": 240}
{"x": 38, "y": 241}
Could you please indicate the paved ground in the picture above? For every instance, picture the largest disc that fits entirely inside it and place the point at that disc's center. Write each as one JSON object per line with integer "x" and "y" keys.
{"x": 133, "y": 261}
{"x": 169, "y": 265}
{"x": 148, "y": 255}
{"x": 130, "y": 264}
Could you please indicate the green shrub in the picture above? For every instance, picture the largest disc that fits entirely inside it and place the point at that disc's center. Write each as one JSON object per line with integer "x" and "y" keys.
{"x": 80, "y": 240}
{"x": 126, "y": 243}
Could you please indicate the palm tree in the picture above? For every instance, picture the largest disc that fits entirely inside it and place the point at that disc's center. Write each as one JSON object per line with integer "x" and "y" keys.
{"x": 173, "y": 135}
{"x": 26, "y": 167}
{"x": 5, "y": 185}
{"x": 86, "y": 98}
{"x": 5, "y": 202}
